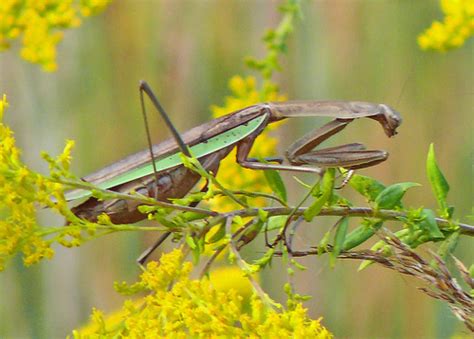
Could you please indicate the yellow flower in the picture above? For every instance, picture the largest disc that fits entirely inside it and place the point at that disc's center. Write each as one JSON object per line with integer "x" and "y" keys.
{"x": 457, "y": 27}
{"x": 41, "y": 22}
{"x": 231, "y": 277}
{"x": 21, "y": 190}
{"x": 179, "y": 307}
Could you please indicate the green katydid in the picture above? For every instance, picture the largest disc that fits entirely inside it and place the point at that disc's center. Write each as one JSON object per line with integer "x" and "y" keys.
{"x": 159, "y": 172}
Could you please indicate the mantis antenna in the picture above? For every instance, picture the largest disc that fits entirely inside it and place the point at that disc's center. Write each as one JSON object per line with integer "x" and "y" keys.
{"x": 144, "y": 87}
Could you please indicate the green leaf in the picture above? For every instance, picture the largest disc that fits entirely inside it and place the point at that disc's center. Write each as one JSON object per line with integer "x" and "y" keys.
{"x": 266, "y": 259}
{"x": 190, "y": 198}
{"x": 190, "y": 241}
{"x": 438, "y": 182}
{"x": 323, "y": 244}
{"x": 302, "y": 183}
{"x": 262, "y": 215}
{"x": 383, "y": 247}
{"x": 429, "y": 224}
{"x": 368, "y": 187}
{"x": 361, "y": 233}
{"x": 327, "y": 186}
{"x": 276, "y": 222}
{"x": 145, "y": 209}
{"x": 220, "y": 233}
{"x": 392, "y": 195}
{"x": 276, "y": 183}
{"x": 298, "y": 265}
{"x": 339, "y": 239}
{"x": 449, "y": 245}
{"x": 164, "y": 221}
{"x": 250, "y": 233}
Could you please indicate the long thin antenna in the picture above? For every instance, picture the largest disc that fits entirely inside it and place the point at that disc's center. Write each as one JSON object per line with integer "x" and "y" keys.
{"x": 407, "y": 80}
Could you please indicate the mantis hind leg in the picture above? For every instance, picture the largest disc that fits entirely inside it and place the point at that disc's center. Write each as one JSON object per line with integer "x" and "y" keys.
{"x": 145, "y": 88}
{"x": 141, "y": 260}
{"x": 211, "y": 164}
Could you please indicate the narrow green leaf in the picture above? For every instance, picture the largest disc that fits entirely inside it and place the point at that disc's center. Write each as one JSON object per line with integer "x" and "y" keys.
{"x": 448, "y": 245}
{"x": 164, "y": 221}
{"x": 250, "y": 233}
{"x": 276, "y": 222}
{"x": 361, "y": 233}
{"x": 298, "y": 265}
{"x": 266, "y": 259}
{"x": 381, "y": 244}
{"x": 323, "y": 244}
{"x": 368, "y": 187}
{"x": 302, "y": 183}
{"x": 327, "y": 186}
{"x": 327, "y": 183}
{"x": 196, "y": 255}
{"x": 429, "y": 224}
{"x": 392, "y": 195}
{"x": 438, "y": 182}
{"x": 145, "y": 209}
{"x": 339, "y": 239}
{"x": 262, "y": 215}
{"x": 193, "y": 216}
{"x": 276, "y": 184}
{"x": 220, "y": 233}
{"x": 190, "y": 241}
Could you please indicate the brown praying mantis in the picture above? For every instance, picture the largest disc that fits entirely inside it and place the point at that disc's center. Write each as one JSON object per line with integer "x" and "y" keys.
{"x": 159, "y": 172}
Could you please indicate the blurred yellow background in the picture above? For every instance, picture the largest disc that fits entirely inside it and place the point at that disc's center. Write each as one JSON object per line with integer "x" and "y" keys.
{"x": 187, "y": 51}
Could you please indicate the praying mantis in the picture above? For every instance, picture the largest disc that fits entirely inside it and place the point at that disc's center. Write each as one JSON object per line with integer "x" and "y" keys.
{"x": 159, "y": 172}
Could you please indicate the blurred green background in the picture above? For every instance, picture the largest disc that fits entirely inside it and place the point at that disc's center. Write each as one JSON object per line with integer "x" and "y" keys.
{"x": 187, "y": 51}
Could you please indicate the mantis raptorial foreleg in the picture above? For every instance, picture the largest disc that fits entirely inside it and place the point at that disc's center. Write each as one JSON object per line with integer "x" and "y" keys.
{"x": 349, "y": 156}
{"x": 243, "y": 150}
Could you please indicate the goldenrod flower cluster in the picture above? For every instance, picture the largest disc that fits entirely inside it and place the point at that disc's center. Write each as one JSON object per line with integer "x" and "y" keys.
{"x": 456, "y": 28}
{"x": 21, "y": 190}
{"x": 178, "y": 307}
{"x": 232, "y": 175}
{"x": 39, "y": 23}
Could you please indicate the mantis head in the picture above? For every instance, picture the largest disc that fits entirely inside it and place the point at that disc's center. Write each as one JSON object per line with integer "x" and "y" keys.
{"x": 389, "y": 119}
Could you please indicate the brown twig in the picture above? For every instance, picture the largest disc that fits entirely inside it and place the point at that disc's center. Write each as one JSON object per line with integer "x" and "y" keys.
{"x": 441, "y": 284}
{"x": 348, "y": 211}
